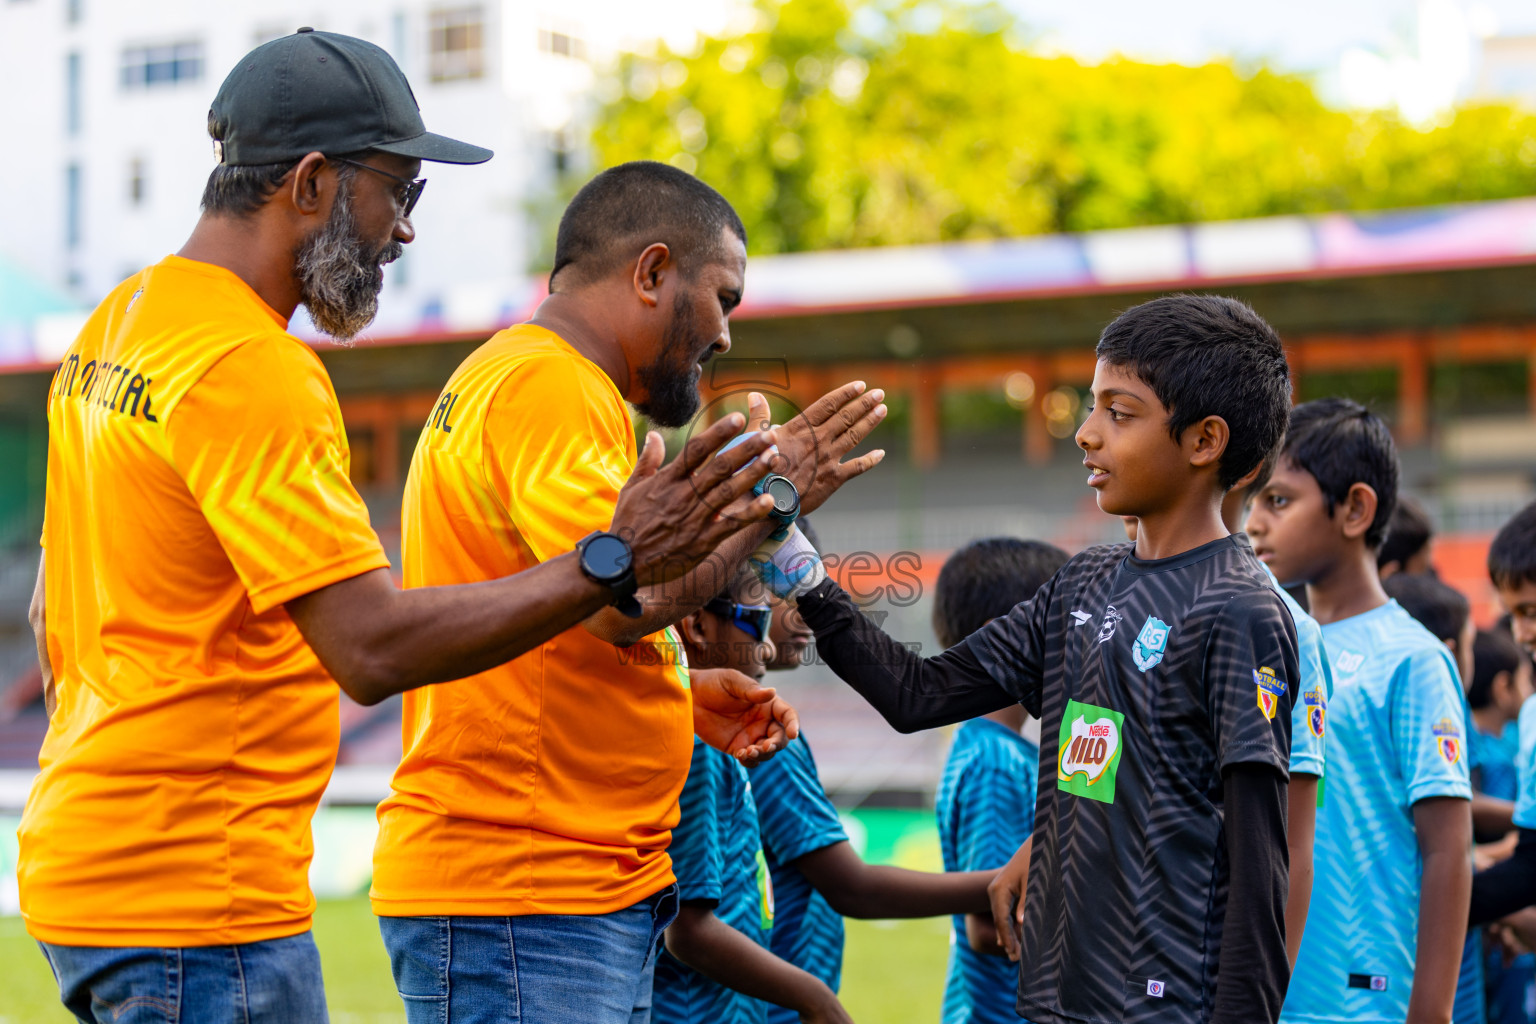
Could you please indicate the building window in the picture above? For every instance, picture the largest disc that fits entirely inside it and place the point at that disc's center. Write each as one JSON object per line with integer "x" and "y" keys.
{"x": 138, "y": 185}
{"x": 456, "y": 43}
{"x": 562, "y": 44}
{"x": 72, "y": 93}
{"x": 72, "y": 201}
{"x": 149, "y": 66}
{"x": 74, "y": 10}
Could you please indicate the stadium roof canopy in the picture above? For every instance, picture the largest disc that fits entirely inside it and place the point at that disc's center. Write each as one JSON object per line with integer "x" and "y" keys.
{"x": 1337, "y": 272}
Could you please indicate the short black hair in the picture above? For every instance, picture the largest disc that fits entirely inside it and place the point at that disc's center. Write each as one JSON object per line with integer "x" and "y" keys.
{"x": 241, "y": 191}
{"x": 1342, "y": 443}
{"x": 987, "y": 578}
{"x": 1512, "y": 555}
{"x": 1493, "y": 652}
{"x": 628, "y": 207}
{"x": 1439, "y": 607}
{"x": 1207, "y": 355}
{"x": 1408, "y": 531}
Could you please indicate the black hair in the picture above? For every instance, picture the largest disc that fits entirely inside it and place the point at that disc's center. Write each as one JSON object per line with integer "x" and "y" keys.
{"x": 241, "y": 191}
{"x": 1207, "y": 355}
{"x": 1438, "y": 607}
{"x": 1493, "y": 652}
{"x": 628, "y": 207}
{"x": 1342, "y": 443}
{"x": 1266, "y": 470}
{"x": 1408, "y": 532}
{"x": 1512, "y": 555}
{"x": 987, "y": 578}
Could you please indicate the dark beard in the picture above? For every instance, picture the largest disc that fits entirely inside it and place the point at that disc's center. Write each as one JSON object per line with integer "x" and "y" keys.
{"x": 672, "y": 382}
{"x": 338, "y": 272}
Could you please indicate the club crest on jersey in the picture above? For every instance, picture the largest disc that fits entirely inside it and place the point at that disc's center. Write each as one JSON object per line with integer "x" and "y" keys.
{"x": 137, "y": 293}
{"x": 1088, "y": 757}
{"x": 1447, "y": 740}
{"x": 1111, "y": 620}
{"x": 1151, "y": 643}
{"x": 1271, "y": 689}
{"x": 1316, "y": 703}
{"x": 1348, "y": 662}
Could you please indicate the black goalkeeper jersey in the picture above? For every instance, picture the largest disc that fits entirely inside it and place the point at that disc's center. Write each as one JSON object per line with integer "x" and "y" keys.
{"x": 1151, "y": 679}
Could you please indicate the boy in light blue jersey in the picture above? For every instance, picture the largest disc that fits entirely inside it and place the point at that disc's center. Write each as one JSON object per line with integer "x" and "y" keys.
{"x": 1501, "y": 684}
{"x": 986, "y": 798}
{"x": 1448, "y": 616}
{"x": 817, "y": 876}
{"x": 1385, "y": 931}
{"x": 718, "y": 967}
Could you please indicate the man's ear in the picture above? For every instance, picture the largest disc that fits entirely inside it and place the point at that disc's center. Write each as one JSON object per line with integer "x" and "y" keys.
{"x": 305, "y": 188}
{"x": 692, "y": 628}
{"x": 651, "y": 271}
{"x": 1357, "y": 511}
{"x": 1206, "y": 441}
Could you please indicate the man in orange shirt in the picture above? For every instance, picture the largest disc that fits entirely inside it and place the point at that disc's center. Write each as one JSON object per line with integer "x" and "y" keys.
{"x": 521, "y": 871}
{"x": 210, "y": 574}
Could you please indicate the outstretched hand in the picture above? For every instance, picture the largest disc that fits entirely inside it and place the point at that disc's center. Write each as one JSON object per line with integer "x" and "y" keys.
{"x": 812, "y": 445}
{"x": 674, "y": 515}
{"x": 735, "y": 713}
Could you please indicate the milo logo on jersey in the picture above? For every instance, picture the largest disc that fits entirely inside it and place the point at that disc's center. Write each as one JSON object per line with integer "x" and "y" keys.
{"x": 1089, "y": 755}
{"x": 1447, "y": 739}
{"x": 1317, "y": 711}
{"x": 764, "y": 892}
{"x": 1271, "y": 689}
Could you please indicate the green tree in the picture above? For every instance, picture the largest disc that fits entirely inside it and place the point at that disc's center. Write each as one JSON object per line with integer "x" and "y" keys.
{"x": 833, "y": 124}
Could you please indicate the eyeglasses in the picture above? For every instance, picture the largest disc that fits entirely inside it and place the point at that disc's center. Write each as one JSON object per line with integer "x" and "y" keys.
{"x": 751, "y": 619}
{"x": 406, "y": 195}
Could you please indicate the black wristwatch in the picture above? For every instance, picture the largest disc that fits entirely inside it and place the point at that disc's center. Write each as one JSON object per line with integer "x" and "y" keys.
{"x": 785, "y": 495}
{"x": 607, "y": 559}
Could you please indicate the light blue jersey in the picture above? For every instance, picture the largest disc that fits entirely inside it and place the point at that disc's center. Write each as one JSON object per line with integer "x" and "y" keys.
{"x": 1525, "y": 768}
{"x": 1397, "y": 727}
{"x": 986, "y": 809}
{"x": 717, "y": 857}
{"x": 796, "y": 818}
{"x": 1309, "y": 715}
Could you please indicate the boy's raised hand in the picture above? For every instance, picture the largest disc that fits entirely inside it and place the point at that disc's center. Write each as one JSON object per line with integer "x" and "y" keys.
{"x": 735, "y": 713}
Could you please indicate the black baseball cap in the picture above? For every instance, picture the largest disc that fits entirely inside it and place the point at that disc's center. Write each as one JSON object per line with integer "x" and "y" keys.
{"x": 320, "y": 91}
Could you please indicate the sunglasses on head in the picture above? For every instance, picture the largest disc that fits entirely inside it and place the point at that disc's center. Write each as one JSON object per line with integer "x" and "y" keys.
{"x": 751, "y": 619}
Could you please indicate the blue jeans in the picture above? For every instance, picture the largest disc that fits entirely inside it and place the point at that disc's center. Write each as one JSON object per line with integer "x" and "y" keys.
{"x": 271, "y": 982}
{"x": 538, "y": 969}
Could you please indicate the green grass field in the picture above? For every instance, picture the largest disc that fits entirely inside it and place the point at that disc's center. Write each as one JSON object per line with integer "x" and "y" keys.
{"x": 893, "y": 972}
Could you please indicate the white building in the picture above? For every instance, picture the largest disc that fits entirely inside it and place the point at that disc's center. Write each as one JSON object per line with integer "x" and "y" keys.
{"x": 106, "y": 150}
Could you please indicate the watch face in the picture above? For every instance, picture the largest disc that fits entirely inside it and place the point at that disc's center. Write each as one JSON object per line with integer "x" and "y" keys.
{"x": 606, "y": 557}
{"x": 786, "y": 497}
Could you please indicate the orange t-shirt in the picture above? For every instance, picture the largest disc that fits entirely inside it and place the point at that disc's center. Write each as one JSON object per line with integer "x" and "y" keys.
{"x": 548, "y": 785}
{"x": 197, "y": 479}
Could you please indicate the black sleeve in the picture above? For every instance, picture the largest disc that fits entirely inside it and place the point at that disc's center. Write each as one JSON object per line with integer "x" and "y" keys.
{"x": 910, "y": 691}
{"x": 1507, "y": 886}
{"x": 1251, "y": 677}
{"x": 1254, "y": 971}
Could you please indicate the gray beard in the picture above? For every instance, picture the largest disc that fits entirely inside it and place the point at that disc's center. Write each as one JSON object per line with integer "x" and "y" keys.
{"x": 338, "y": 274}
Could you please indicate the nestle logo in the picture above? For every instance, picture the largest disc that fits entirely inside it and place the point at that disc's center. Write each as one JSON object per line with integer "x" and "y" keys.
{"x": 1099, "y": 729}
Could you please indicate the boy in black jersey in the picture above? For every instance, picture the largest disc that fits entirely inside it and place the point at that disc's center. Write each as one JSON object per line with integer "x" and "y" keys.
{"x": 1163, "y": 676}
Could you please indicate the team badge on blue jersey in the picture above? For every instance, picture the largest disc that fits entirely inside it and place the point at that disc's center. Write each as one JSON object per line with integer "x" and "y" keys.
{"x": 1271, "y": 689}
{"x": 1448, "y": 739}
{"x": 1317, "y": 711}
{"x": 1151, "y": 643}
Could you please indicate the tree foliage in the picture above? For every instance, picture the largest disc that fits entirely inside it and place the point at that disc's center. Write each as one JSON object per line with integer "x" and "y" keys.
{"x": 832, "y": 124}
